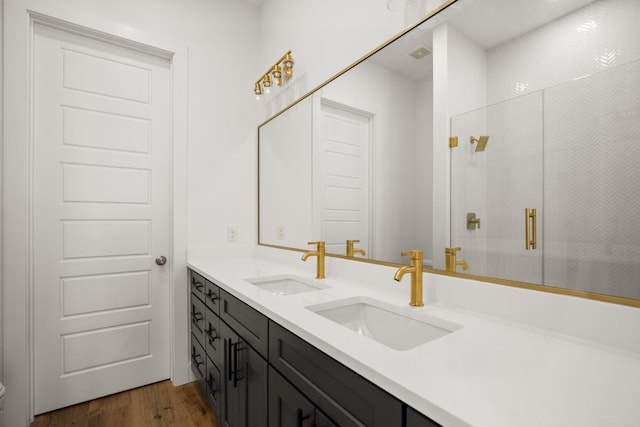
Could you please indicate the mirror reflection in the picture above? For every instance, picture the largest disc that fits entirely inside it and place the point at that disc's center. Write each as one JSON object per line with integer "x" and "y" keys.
{"x": 543, "y": 100}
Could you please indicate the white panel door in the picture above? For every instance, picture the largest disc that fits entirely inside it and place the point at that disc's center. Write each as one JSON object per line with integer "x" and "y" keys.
{"x": 101, "y": 217}
{"x": 342, "y": 138}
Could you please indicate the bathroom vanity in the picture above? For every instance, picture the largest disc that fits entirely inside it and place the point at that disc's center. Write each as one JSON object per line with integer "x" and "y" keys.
{"x": 270, "y": 342}
{"x": 252, "y": 369}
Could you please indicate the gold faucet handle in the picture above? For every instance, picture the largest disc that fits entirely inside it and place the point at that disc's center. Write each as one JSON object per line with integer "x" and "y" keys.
{"x": 351, "y": 242}
{"x": 319, "y": 243}
{"x": 452, "y": 250}
{"x": 414, "y": 254}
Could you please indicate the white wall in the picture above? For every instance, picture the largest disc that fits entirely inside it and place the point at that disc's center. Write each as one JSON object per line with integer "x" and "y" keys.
{"x": 423, "y": 231}
{"x": 326, "y": 35}
{"x": 285, "y": 177}
{"x": 459, "y": 85}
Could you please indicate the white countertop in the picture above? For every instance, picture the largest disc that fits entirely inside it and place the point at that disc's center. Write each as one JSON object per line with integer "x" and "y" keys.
{"x": 492, "y": 372}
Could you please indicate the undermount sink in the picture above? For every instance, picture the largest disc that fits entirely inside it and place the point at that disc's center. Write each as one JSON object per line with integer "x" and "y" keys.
{"x": 396, "y": 327}
{"x": 286, "y": 284}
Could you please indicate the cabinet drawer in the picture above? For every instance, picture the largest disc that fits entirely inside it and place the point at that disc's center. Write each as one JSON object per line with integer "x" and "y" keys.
{"x": 197, "y": 318}
{"x": 213, "y": 387}
{"x": 248, "y": 323}
{"x": 212, "y": 296}
{"x": 212, "y": 339}
{"x": 198, "y": 285}
{"x": 343, "y": 395}
{"x": 198, "y": 362}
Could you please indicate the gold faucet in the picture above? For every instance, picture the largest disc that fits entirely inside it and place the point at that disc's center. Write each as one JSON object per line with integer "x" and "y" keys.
{"x": 450, "y": 261}
{"x": 319, "y": 252}
{"x": 351, "y": 250}
{"x": 416, "y": 276}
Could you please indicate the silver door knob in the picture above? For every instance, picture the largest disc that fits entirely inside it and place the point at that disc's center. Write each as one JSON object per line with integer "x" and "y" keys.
{"x": 161, "y": 260}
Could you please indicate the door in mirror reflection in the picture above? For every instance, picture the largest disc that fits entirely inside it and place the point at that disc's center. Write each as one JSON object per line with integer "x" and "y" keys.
{"x": 341, "y": 168}
{"x": 496, "y": 179}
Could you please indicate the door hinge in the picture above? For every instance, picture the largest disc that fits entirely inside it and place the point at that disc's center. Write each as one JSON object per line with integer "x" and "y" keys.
{"x": 453, "y": 141}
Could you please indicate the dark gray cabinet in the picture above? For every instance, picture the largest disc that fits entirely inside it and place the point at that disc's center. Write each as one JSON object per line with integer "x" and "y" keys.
{"x": 256, "y": 373}
{"x": 224, "y": 332}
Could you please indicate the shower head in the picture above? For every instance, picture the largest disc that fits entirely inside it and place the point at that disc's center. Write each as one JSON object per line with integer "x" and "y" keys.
{"x": 482, "y": 142}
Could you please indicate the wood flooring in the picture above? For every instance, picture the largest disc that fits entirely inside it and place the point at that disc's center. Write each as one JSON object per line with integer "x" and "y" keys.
{"x": 159, "y": 404}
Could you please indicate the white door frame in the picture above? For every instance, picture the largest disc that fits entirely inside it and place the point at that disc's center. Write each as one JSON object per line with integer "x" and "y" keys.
{"x": 17, "y": 276}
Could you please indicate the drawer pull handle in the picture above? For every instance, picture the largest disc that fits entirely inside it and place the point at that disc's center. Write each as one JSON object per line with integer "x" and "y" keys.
{"x": 236, "y": 370}
{"x": 195, "y": 357}
{"x": 212, "y": 333}
{"x": 198, "y": 285}
{"x": 300, "y": 417}
{"x": 212, "y": 296}
{"x": 229, "y": 347}
{"x": 232, "y": 356}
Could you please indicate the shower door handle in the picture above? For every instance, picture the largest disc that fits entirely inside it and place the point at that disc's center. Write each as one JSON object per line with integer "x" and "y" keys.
{"x": 530, "y": 232}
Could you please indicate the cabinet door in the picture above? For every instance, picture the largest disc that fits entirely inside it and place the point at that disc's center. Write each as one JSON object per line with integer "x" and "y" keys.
{"x": 416, "y": 419}
{"x": 287, "y": 406}
{"x": 244, "y": 400}
{"x": 290, "y": 408}
{"x": 214, "y": 387}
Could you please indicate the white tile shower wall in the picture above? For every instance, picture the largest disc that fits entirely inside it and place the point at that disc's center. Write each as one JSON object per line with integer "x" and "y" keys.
{"x": 592, "y": 200}
{"x": 598, "y": 37}
{"x": 595, "y": 113}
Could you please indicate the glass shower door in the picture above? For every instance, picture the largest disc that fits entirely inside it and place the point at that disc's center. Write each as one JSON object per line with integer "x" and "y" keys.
{"x": 496, "y": 189}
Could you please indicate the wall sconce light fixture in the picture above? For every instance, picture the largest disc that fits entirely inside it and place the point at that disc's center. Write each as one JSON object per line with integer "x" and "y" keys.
{"x": 281, "y": 71}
